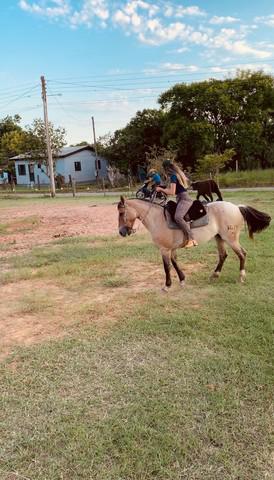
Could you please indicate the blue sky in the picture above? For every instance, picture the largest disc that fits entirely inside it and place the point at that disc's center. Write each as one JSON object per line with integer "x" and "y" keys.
{"x": 109, "y": 59}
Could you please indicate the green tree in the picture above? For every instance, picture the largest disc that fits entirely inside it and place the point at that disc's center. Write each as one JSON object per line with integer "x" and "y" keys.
{"x": 228, "y": 107}
{"x": 211, "y": 164}
{"x": 127, "y": 148}
{"x": 10, "y": 133}
{"x": 36, "y": 140}
{"x": 31, "y": 140}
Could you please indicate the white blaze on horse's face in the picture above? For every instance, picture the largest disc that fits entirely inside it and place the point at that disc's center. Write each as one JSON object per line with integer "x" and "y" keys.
{"x": 127, "y": 217}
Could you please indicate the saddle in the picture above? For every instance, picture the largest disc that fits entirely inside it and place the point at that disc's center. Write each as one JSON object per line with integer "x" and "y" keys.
{"x": 197, "y": 215}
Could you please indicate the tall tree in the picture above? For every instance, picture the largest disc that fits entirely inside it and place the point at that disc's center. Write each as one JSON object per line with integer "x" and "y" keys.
{"x": 10, "y": 132}
{"x": 127, "y": 148}
{"x": 230, "y": 107}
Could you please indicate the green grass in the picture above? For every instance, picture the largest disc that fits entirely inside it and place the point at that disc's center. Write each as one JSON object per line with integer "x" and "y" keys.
{"x": 247, "y": 178}
{"x": 179, "y": 386}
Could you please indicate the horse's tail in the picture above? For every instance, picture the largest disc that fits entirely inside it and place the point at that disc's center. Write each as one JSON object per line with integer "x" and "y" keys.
{"x": 256, "y": 220}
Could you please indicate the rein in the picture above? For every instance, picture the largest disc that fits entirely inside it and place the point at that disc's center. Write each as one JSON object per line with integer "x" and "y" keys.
{"x": 134, "y": 230}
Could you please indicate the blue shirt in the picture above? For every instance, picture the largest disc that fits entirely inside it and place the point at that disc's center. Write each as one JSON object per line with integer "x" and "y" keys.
{"x": 155, "y": 177}
{"x": 179, "y": 187}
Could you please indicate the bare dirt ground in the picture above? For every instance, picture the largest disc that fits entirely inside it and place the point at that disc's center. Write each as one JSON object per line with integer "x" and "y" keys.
{"x": 21, "y": 229}
{"x": 25, "y": 229}
{"x": 35, "y": 310}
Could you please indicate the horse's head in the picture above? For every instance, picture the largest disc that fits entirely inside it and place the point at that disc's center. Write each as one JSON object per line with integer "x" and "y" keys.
{"x": 127, "y": 217}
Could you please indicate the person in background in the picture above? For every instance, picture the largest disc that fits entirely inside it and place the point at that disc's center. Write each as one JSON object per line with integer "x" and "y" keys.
{"x": 178, "y": 185}
{"x": 154, "y": 177}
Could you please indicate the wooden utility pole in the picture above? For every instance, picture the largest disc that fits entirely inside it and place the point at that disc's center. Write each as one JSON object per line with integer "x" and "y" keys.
{"x": 50, "y": 161}
{"x": 95, "y": 148}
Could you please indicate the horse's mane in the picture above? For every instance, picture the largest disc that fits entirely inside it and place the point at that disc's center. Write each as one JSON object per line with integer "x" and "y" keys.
{"x": 155, "y": 204}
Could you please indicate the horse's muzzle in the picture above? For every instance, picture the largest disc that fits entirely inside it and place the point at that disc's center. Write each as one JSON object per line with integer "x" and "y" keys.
{"x": 124, "y": 231}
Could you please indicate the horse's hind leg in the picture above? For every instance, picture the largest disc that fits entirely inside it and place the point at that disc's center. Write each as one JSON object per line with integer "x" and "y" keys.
{"x": 232, "y": 239}
{"x": 241, "y": 254}
{"x": 179, "y": 272}
{"x": 222, "y": 256}
{"x": 166, "y": 255}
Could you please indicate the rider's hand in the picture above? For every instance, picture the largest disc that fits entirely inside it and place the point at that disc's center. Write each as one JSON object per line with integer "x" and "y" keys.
{"x": 158, "y": 189}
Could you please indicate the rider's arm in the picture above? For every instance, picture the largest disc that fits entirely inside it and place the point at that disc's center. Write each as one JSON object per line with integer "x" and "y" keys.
{"x": 168, "y": 190}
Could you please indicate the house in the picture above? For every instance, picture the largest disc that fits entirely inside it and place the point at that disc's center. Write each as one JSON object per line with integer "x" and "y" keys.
{"x": 73, "y": 163}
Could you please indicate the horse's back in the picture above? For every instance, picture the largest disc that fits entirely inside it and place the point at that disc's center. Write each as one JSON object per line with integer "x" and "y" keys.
{"x": 226, "y": 212}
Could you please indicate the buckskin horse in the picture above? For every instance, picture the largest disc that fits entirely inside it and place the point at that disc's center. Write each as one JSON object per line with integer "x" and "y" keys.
{"x": 225, "y": 221}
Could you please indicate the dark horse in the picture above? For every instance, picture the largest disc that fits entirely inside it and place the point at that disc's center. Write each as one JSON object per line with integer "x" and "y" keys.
{"x": 206, "y": 188}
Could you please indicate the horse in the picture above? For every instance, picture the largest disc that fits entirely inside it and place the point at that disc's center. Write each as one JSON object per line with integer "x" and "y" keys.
{"x": 225, "y": 221}
{"x": 206, "y": 188}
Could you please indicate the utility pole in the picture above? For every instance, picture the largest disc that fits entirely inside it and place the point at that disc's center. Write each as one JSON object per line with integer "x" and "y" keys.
{"x": 50, "y": 161}
{"x": 95, "y": 148}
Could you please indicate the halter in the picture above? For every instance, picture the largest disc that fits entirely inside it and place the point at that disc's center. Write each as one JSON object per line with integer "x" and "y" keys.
{"x": 134, "y": 230}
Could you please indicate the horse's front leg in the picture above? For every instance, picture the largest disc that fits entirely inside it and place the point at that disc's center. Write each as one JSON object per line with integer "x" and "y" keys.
{"x": 179, "y": 272}
{"x": 166, "y": 256}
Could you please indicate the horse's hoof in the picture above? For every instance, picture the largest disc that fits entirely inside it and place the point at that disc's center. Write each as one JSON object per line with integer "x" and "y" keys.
{"x": 214, "y": 275}
{"x": 165, "y": 289}
{"x": 242, "y": 276}
{"x": 182, "y": 283}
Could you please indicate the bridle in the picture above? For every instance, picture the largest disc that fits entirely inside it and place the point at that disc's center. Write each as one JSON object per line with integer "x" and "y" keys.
{"x": 134, "y": 230}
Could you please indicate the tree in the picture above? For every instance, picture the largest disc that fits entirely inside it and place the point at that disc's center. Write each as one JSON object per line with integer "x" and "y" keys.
{"x": 80, "y": 144}
{"x": 156, "y": 155}
{"x": 211, "y": 164}
{"x": 31, "y": 140}
{"x": 228, "y": 107}
{"x": 10, "y": 136}
{"x": 127, "y": 148}
{"x": 36, "y": 140}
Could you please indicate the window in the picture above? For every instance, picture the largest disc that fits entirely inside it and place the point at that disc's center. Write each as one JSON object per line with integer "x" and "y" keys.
{"x": 77, "y": 166}
{"x": 99, "y": 164}
{"x": 21, "y": 169}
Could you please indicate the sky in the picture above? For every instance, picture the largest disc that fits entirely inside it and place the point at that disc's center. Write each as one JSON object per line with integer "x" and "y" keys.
{"x": 109, "y": 59}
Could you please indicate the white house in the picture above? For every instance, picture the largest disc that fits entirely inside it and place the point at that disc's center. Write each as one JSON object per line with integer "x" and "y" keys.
{"x": 73, "y": 163}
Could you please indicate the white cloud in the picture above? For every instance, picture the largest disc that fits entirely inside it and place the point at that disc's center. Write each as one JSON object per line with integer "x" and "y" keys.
{"x": 267, "y": 20}
{"x": 55, "y": 8}
{"x": 221, "y": 20}
{"x": 121, "y": 18}
{"x": 242, "y": 48}
{"x": 226, "y": 39}
{"x": 156, "y": 26}
{"x": 175, "y": 67}
{"x": 90, "y": 10}
{"x": 191, "y": 11}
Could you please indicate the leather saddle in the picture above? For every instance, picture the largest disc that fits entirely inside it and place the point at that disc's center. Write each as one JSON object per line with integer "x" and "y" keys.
{"x": 196, "y": 216}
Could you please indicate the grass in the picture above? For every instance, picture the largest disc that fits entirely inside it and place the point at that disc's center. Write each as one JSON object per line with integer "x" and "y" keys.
{"x": 141, "y": 385}
{"x": 247, "y": 178}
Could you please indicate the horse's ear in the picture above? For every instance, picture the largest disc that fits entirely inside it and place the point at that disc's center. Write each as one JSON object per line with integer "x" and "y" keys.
{"x": 122, "y": 200}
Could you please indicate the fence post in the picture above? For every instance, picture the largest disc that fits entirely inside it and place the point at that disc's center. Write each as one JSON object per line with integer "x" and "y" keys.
{"x": 104, "y": 190}
{"x": 38, "y": 181}
{"x": 73, "y": 188}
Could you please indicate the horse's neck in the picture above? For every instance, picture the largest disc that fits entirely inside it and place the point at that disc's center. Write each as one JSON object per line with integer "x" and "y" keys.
{"x": 147, "y": 212}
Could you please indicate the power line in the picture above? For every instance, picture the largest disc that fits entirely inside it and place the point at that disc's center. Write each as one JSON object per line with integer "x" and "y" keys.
{"x": 23, "y": 95}
{"x": 137, "y": 73}
{"x": 15, "y": 90}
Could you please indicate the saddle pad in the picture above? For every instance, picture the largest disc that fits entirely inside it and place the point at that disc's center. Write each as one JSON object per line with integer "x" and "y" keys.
{"x": 201, "y": 222}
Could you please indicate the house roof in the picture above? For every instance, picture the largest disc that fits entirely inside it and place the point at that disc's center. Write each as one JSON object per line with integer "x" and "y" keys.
{"x": 64, "y": 152}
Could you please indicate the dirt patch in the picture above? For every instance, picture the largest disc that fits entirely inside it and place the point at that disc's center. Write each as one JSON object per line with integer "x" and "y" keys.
{"x": 47, "y": 223}
{"x": 33, "y": 311}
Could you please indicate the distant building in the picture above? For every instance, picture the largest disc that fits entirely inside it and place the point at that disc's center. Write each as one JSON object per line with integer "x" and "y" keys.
{"x": 76, "y": 163}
